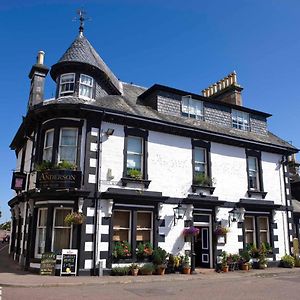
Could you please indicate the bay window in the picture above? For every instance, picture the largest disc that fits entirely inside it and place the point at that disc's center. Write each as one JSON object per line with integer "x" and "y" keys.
{"x": 86, "y": 86}
{"x": 67, "y": 84}
{"x": 68, "y": 145}
{"x": 48, "y": 145}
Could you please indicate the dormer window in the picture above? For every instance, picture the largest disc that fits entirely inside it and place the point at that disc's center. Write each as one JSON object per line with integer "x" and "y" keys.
{"x": 67, "y": 84}
{"x": 191, "y": 108}
{"x": 240, "y": 120}
{"x": 86, "y": 86}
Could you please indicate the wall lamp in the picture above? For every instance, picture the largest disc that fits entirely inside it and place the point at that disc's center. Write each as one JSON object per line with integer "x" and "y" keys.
{"x": 236, "y": 215}
{"x": 179, "y": 213}
{"x": 109, "y": 131}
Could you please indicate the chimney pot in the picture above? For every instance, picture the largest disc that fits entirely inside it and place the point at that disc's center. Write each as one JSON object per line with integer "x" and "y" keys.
{"x": 40, "y": 57}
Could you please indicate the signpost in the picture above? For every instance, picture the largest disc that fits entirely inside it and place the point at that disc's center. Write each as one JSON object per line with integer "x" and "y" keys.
{"x": 69, "y": 262}
{"x": 48, "y": 262}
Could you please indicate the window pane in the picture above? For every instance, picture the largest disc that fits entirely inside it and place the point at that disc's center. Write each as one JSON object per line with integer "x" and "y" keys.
{"x": 249, "y": 223}
{"x": 121, "y": 235}
{"x": 134, "y": 145}
{"x": 41, "y": 238}
{"x": 61, "y": 239}
{"x": 67, "y": 78}
{"x": 249, "y": 238}
{"x": 68, "y": 136}
{"x": 60, "y": 216}
{"x": 143, "y": 220}
{"x": 85, "y": 91}
{"x": 200, "y": 155}
{"x": 68, "y": 154}
{"x": 121, "y": 219}
{"x": 134, "y": 161}
{"x": 185, "y": 105}
{"x": 86, "y": 79}
{"x": 143, "y": 236}
{"x": 252, "y": 163}
{"x": 263, "y": 237}
{"x": 43, "y": 217}
{"x": 49, "y": 138}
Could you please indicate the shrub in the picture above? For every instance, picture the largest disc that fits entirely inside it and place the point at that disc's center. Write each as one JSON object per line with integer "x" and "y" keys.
{"x": 147, "y": 268}
{"x": 121, "y": 249}
{"x": 120, "y": 271}
{"x": 287, "y": 261}
{"x": 159, "y": 256}
{"x": 186, "y": 262}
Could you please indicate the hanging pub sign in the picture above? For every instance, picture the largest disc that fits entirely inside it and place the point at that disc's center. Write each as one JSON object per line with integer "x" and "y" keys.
{"x": 48, "y": 262}
{"x": 61, "y": 179}
{"x": 18, "y": 182}
{"x": 69, "y": 262}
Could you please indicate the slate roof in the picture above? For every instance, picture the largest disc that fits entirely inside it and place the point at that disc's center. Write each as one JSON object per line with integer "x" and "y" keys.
{"x": 82, "y": 51}
{"x": 128, "y": 103}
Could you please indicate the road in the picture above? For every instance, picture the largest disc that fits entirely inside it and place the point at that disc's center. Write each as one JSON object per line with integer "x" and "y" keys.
{"x": 265, "y": 287}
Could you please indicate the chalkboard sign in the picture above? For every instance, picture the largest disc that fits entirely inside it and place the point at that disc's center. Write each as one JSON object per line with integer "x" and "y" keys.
{"x": 48, "y": 264}
{"x": 69, "y": 262}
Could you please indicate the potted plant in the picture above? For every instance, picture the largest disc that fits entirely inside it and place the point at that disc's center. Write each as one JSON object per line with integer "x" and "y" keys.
{"x": 225, "y": 266}
{"x": 121, "y": 249}
{"x": 147, "y": 269}
{"x": 244, "y": 260}
{"x": 159, "y": 258}
{"x": 287, "y": 261}
{"x": 134, "y": 173}
{"x": 144, "y": 250}
{"x": 202, "y": 179}
{"x": 119, "y": 271}
{"x": 134, "y": 268}
{"x": 75, "y": 218}
{"x": 186, "y": 266}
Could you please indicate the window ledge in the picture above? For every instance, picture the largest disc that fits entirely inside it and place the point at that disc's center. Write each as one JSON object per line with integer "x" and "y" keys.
{"x": 126, "y": 180}
{"x": 253, "y": 193}
{"x": 211, "y": 189}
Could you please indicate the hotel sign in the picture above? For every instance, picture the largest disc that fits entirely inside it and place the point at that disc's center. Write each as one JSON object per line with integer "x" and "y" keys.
{"x": 18, "y": 181}
{"x": 58, "y": 179}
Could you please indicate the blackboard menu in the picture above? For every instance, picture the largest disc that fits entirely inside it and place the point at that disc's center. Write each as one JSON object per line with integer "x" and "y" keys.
{"x": 69, "y": 262}
{"x": 48, "y": 264}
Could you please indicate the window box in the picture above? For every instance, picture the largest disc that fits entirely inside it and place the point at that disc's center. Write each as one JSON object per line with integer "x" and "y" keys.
{"x": 254, "y": 193}
{"x": 126, "y": 180}
{"x": 58, "y": 179}
{"x": 210, "y": 189}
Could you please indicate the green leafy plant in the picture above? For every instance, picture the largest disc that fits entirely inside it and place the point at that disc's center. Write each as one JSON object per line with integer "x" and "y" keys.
{"x": 134, "y": 266}
{"x": 119, "y": 271}
{"x": 48, "y": 165}
{"x": 66, "y": 165}
{"x": 44, "y": 165}
{"x": 144, "y": 250}
{"x": 245, "y": 256}
{"x": 186, "y": 262}
{"x": 134, "y": 173}
{"x": 147, "y": 269}
{"x": 224, "y": 257}
{"x": 203, "y": 179}
{"x": 75, "y": 218}
{"x": 121, "y": 249}
{"x": 159, "y": 257}
{"x": 287, "y": 261}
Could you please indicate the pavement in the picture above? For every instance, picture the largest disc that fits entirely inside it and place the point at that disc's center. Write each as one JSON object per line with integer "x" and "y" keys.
{"x": 11, "y": 275}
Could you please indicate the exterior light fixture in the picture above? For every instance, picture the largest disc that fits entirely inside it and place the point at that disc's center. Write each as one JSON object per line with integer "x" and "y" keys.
{"x": 109, "y": 131}
{"x": 237, "y": 215}
{"x": 179, "y": 212}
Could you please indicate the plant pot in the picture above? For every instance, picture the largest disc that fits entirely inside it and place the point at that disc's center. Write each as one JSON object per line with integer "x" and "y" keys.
{"x": 134, "y": 272}
{"x": 245, "y": 267}
{"x": 160, "y": 270}
{"x": 146, "y": 272}
{"x": 186, "y": 270}
{"x": 225, "y": 269}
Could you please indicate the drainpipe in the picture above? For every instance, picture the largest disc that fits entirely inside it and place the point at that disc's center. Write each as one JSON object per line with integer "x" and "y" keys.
{"x": 96, "y": 197}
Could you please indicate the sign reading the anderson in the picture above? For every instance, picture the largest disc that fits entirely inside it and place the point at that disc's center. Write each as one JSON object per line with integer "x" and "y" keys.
{"x": 58, "y": 179}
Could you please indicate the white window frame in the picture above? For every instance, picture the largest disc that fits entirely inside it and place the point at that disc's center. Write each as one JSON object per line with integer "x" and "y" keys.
{"x": 240, "y": 120}
{"x": 66, "y": 93}
{"x": 87, "y": 85}
{"x": 129, "y": 229}
{"x": 254, "y": 171}
{"x": 45, "y": 140}
{"x": 141, "y": 155}
{"x": 36, "y": 254}
{"x": 200, "y": 162}
{"x": 67, "y": 226}
{"x": 144, "y": 229}
{"x": 187, "y": 103}
{"x": 60, "y": 145}
{"x": 264, "y": 230}
{"x": 253, "y": 231}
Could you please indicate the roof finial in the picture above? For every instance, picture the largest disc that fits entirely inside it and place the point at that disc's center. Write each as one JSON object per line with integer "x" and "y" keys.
{"x": 81, "y": 13}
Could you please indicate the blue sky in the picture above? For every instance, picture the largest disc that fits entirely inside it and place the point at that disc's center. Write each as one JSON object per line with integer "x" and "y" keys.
{"x": 182, "y": 44}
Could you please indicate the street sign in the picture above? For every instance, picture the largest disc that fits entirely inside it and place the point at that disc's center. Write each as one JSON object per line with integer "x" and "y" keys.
{"x": 69, "y": 262}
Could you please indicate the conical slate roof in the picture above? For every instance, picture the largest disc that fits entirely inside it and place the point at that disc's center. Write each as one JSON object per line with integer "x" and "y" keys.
{"x": 82, "y": 51}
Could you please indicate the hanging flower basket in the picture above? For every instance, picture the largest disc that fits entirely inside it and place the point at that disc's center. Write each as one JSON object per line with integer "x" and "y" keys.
{"x": 221, "y": 230}
{"x": 75, "y": 218}
{"x": 191, "y": 231}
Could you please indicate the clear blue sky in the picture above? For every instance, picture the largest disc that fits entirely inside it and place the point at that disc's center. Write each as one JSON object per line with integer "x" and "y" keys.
{"x": 182, "y": 44}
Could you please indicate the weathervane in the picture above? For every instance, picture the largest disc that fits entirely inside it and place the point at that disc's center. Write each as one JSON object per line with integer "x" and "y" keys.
{"x": 81, "y": 17}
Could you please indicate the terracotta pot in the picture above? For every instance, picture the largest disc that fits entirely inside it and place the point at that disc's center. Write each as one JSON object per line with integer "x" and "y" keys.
{"x": 186, "y": 270}
{"x": 225, "y": 269}
{"x": 245, "y": 267}
{"x": 134, "y": 272}
{"x": 160, "y": 270}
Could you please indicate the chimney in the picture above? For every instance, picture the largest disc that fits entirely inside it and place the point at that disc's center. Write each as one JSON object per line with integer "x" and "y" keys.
{"x": 226, "y": 90}
{"x": 37, "y": 75}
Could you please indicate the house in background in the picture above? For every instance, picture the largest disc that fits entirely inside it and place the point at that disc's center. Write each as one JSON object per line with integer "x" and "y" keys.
{"x": 147, "y": 163}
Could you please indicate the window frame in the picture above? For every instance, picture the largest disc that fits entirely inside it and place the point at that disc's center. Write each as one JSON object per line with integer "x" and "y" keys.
{"x": 68, "y": 92}
{"x": 59, "y": 144}
{"x": 53, "y": 228}
{"x": 45, "y": 139}
{"x": 36, "y": 254}
{"x": 190, "y": 102}
{"x": 143, "y": 229}
{"x": 139, "y": 133}
{"x": 257, "y": 155}
{"x": 245, "y": 126}
{"x": 91, "y": 87}
{"x": 130, "y": 225}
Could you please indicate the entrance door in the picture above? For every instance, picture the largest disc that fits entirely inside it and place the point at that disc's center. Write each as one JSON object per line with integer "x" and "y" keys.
{"x": 202, "y": 247}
